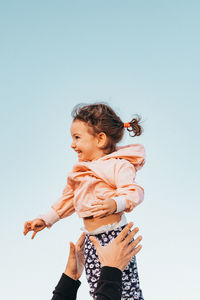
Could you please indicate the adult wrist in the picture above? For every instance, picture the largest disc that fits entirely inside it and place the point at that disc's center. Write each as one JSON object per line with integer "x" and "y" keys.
{"x": 67, "y": 287}
{"x": 111, "y": 274}
{"x": 71, "y": 275}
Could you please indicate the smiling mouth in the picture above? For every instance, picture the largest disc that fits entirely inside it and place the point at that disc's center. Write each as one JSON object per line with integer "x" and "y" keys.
{"x": 77, "y": 151}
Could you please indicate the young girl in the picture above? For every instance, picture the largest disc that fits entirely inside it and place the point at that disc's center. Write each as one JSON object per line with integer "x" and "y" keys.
{"x": 100, "y": 187}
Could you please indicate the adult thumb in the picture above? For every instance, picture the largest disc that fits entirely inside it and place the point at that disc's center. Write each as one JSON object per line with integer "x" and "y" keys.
{"x": 94, "y": 241}
{"x": 71, "y": 250}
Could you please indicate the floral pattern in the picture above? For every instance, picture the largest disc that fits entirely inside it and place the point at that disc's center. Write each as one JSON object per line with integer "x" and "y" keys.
{"x": 130, "y": 280}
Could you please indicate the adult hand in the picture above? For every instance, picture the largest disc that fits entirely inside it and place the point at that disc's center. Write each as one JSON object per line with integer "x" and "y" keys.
{"x": 120, "y": 250}
{"x": 75, "y": 262}
{"x": 34, "y": 225}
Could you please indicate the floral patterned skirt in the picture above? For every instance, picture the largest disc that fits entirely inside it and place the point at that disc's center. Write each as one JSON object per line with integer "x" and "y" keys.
{"x": 130, "y": 280}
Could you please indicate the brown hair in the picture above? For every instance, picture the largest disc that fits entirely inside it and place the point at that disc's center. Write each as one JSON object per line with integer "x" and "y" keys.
{"x": 101, "y": 118}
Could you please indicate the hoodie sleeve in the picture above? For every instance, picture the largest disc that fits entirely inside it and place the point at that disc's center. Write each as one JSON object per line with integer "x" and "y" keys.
{"x": 129, "y": 194}
{"x": 62, "y": 208}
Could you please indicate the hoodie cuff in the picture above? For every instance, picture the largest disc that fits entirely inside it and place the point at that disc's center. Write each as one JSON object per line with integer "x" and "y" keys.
{"x": 121, "y": 203}
{"x": 50, "y": 217}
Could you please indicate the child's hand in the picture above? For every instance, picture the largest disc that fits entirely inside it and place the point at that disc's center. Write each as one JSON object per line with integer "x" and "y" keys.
{"x": 34, "y": 225}
{"x": 104, "y": 207}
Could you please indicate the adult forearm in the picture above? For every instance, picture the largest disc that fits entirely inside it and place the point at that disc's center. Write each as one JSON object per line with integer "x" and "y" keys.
{"x": 109, "y": 284}
{"x": 66, "y": 288}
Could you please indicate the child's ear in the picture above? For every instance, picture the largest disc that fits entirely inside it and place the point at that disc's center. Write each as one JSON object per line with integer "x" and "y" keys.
{"x": 102, "y": 139}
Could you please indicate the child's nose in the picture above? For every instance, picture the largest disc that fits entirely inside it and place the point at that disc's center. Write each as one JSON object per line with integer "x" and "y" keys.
{"x": 72, "y": 145}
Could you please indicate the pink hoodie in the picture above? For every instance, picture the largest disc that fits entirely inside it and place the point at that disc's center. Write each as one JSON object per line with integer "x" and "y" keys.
{"x": 112, "y": 175}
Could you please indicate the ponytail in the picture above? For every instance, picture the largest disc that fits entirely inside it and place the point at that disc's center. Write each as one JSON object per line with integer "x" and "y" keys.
{"x": 134, "y": 127}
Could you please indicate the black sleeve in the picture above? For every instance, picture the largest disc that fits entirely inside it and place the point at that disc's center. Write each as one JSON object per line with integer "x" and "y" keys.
{"x": 109, "y": 284}
{"x": 66, "y": 288}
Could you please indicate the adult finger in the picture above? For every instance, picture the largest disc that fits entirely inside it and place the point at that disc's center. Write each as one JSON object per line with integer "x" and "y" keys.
{"x": 124, "y": 232}
{"x": 129, "y": 237}
{"x": 81, "y": 241}
{"x": 132, "y": 254}
{"x": 72, "y": 250}
{"x": 134, "y": 243}
{"x": 95, "y": 242}
{"x": 135, "y": 250}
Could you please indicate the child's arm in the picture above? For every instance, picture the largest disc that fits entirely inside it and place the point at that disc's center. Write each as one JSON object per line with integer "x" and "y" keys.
{"x": 128, "y": 193}
{"x": 62, "y": 208}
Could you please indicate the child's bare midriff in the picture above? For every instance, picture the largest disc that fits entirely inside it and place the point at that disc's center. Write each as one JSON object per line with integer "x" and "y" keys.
{"x": 92, "y": 224}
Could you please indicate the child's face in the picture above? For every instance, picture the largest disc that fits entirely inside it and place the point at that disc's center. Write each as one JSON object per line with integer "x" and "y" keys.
{"x": 84, "y": 143}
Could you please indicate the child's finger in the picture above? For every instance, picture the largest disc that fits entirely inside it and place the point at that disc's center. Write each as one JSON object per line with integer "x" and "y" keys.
{"x": 27, "y": 227}
{"x": 36, "y": 227}
{"x": 34, "y": 234}
{"x": 99, "y": 214}
{"x": 97, "y": 203}
{"x": 102, "y": 198}
{"x": 97, "y": 209}
{"x": 27, "y": 224}
{"x": 26, "y": 231}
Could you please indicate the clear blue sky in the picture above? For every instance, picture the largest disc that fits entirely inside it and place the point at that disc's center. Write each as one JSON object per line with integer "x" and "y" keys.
{"x": 140, "y": 57}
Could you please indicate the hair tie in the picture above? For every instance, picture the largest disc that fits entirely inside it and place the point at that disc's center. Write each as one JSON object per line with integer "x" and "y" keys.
{"x": 127, "y": 125}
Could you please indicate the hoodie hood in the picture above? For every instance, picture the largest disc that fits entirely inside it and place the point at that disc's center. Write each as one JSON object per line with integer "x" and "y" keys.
{"x": 134, "y": 153}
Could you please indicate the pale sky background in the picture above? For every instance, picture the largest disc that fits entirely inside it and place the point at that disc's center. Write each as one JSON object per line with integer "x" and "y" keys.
{"x": 140, "y": 57}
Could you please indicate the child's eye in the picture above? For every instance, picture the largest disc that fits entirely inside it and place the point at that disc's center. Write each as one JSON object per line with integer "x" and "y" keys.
{"x": 76, "y": 137}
